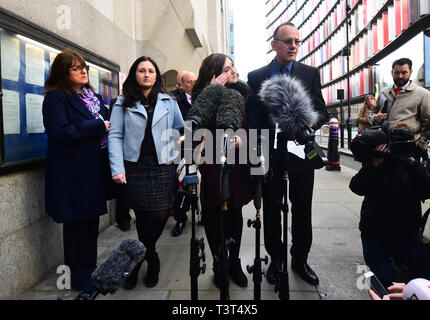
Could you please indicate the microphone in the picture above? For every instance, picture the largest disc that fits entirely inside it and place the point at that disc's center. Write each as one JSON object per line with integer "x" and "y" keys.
{"x": 204, "y": 109}
{"x": 201, "y": 115}
{"x": 417, "y": 289}
{"x": 289, "y": 105}
{"x": 230, "y": 111}
{"x": 229, "y": 116}
{"x": 107, "y": 278}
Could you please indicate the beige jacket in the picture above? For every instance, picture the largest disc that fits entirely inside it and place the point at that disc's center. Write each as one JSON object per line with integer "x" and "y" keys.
{"x": 362, "y": 119}
{"x": 410, "y": 108}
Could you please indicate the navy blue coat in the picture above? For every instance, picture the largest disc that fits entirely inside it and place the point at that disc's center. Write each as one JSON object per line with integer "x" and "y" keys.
{"x": 74, "y": 185}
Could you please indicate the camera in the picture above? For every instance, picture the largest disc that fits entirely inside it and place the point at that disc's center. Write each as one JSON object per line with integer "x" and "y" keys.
{"x": 400, "y": 143}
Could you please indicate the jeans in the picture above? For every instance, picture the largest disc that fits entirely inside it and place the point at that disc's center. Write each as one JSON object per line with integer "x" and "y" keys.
{"x": 379, "y": 254}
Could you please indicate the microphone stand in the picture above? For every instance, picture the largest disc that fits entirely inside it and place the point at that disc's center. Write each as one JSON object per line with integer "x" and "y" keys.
{"x": 255, "y": 269}
{"x": 191, "y": 181}
{"x": 196, "y": 246}
{"x": 222, "y": 256}
{"x": 282, "y": 284}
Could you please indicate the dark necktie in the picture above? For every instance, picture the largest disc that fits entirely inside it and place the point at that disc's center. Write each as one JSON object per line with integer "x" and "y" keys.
{"x": 282, "y": 70}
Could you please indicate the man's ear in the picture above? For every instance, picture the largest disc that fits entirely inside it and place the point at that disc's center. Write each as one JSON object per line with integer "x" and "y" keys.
{"x": 274, "y": 46}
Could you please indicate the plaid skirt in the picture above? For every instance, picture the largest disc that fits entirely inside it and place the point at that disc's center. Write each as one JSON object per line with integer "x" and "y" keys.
{"x": 150, "y": 186}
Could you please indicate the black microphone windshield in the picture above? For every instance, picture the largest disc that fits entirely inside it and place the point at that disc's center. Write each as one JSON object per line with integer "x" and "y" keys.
{"x": 288, "y": 104}
{"x": 230, "y": 111}
{"x": 107, "y": 278}
{"x": 206, "y": 105}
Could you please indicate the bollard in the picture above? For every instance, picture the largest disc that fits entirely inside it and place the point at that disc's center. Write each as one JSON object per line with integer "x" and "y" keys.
{"x": 333, "y": 155}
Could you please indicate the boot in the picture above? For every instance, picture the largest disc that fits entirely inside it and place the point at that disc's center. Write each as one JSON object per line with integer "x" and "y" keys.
{"x": 236, "y": 272}
{"x": 217, "y": 275}
{"x": 151, "y": 278}
{"x": 131, "y": 281}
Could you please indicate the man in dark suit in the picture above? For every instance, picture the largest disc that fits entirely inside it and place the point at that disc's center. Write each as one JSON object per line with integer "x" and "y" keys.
{"x": 285, "y": 43}
{"x": 183, "y": 97}
{"x": 179, "y": 88}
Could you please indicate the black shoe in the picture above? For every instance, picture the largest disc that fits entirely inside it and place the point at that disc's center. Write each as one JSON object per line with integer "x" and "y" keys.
{"x": 305, "y": 272}
{"x": 236, "y": 273}
{"x": 131, "y": 281}
{"x": 124, "y": 226}
{"x": 217, "y": 276}
{"x": 177, "y": 230}
{"x": 273, "y": 272}
{"x": 151, "y": 278}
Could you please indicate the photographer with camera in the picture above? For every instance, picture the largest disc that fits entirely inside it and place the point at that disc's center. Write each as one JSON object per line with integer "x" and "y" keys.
{"x": 405, "y": 103}
{"x": 393, "y": 184}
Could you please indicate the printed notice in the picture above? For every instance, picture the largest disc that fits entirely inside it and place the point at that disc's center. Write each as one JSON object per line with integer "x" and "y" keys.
{"x": 11, "y": 121}
{"x": 52, "y": 57}
{"x": 35, "y": 65}
{"x": 34, "y": 113}
{"x": 10, "y": 58}
{"x": 93, "y": 78}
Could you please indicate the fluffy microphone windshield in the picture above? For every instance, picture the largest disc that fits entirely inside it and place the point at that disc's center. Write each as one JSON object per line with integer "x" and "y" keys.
{"x": 230, "y": 111}
{"x": 288, "y": 104}
{"x": 107, "y": 278}
{"x": 206, "y": 105}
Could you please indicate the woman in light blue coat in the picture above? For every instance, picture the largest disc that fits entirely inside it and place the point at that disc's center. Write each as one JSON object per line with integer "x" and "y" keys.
{"x": 140, "y": 152}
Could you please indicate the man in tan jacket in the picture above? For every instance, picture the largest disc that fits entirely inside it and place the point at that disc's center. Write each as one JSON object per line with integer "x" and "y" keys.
{"x": 405, "y": 104}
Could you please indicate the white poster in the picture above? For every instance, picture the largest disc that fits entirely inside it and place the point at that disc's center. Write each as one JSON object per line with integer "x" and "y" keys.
{"x": 11, "y": 121}
{"x": 34, "y": 65}
{"x": 33, "y": 104}
{"x": 10, "y": 58}
{"x": 52, "y": 57}
{"x": 93, "y": 78}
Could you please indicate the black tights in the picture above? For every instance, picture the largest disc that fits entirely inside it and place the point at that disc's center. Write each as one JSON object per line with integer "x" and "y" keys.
{"x": 150, "y": 226}
{"x": 233, "y": 224}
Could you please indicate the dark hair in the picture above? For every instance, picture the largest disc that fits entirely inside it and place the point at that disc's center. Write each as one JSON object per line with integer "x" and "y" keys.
{"x": 289, "y": 24}
{"x": 211, "y": 65}
{"x": 59, "y": 74}
{"x": 133, "y": 92}
{"x": 401, "y": 62}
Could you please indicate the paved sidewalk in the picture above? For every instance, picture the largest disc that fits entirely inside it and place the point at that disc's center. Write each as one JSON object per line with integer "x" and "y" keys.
{"x": 335, "y": 254}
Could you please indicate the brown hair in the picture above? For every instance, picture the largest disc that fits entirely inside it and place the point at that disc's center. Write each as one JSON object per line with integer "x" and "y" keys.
{"x": 59, "y": 74}
{"x": 211, "y": 65}
{"x": 366, "y": 100}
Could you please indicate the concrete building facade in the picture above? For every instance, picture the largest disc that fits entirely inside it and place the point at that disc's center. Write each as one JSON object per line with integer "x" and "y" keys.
{"x": 177, "y": 34}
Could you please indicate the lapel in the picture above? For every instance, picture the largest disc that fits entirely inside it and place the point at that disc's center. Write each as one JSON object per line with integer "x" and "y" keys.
{"x": 295, "y": 70}
{"x": 161, "y": 108}
{"x": 80, "y": 106}
{"x": 139, "y": 108}
{"x": 266, "y": 72}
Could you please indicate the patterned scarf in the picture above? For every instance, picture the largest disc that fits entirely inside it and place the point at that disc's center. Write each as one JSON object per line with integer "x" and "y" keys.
{"x": 93, "y": 105}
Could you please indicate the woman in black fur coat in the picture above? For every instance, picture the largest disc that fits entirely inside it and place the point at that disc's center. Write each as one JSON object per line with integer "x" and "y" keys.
{"x": 219, "y": 69}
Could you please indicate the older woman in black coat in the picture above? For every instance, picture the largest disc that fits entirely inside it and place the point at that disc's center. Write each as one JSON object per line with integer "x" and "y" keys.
{"x": 76, "y": 126}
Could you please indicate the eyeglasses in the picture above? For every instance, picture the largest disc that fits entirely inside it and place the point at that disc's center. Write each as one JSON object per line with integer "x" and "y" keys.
{"x": 80, "y": 68}
{"x": 289, "y": 42}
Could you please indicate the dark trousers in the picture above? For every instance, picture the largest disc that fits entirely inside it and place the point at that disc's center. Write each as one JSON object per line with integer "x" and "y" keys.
{"x": 122, "y": 213}
{"x": 180, "y": 216}
{"x": 379, "y": 254}
{"x": 300, "y": 191}
{"x": 80, "y": 250}
{"x": 233, "y": 225}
